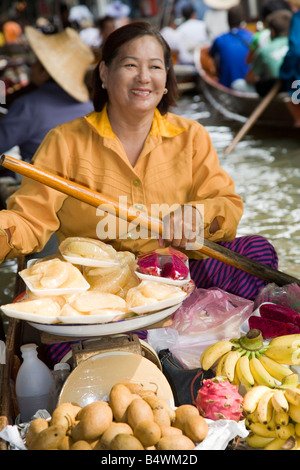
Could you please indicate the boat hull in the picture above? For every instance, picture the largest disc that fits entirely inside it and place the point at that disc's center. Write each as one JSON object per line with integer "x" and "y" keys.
{"x": 238, "y": 106}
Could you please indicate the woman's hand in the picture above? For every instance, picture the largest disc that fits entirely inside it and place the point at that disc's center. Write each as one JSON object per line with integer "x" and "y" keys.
{"x": 183, "y": 227}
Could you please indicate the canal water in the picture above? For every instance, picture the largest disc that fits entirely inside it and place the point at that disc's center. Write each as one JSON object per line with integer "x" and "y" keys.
{"x": 266, "y": 169}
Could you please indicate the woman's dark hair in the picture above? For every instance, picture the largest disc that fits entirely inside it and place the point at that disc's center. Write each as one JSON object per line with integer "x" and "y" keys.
{"x": 111, "y": 47}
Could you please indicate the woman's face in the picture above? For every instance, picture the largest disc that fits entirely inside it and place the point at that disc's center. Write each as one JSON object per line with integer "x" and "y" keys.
{"x": 136, "y": 78}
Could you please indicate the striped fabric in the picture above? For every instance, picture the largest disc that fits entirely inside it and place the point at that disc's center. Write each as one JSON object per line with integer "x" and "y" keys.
{"x": 212, "y": 273}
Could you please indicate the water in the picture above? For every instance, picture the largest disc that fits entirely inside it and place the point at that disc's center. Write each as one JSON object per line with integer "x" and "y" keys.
{"x": 266, "y": 171}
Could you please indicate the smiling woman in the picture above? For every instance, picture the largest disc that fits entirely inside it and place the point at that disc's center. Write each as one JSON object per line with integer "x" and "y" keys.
{"x": 133, "y": 149}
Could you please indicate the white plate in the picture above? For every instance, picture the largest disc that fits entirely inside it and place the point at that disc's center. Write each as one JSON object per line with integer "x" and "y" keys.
{"x": 109, "y": 328}
{"x": 80, "y": 260}
{"x": 159, "y": 305}
{"x": 58, "y": 291}
{"x": 165, "y": 280}
{"x": 28, "y": 316}
{"x": 89, "y": 319}
{"x": 94, "y": 377}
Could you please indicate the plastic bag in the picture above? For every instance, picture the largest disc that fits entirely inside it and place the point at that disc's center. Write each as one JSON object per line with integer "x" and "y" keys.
{"x": 288, "y": 296}
{"x": 209, "y": 315}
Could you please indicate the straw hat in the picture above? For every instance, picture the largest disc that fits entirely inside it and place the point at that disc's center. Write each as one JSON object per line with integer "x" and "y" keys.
{"x": 65, "y": 57}
{"x": 294, "y": 2}
{"x": 221, "y": 4}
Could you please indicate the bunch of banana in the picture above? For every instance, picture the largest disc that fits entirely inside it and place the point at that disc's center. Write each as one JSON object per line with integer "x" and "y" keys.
{"x": 248, "y": 361}
{"x": 272, "y": 416}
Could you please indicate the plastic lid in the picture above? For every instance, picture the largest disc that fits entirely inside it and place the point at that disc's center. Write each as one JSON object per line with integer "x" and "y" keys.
{"x": 62, "y": 366}
{"x": 28, "y": 347}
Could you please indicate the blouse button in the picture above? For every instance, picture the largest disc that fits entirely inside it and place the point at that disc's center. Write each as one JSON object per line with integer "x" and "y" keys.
{"x": 136, "y": 182}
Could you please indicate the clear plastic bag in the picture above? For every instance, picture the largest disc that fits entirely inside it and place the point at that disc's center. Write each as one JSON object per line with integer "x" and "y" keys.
{"x": 288, "y": 296}
{"x": 209, "y": 315}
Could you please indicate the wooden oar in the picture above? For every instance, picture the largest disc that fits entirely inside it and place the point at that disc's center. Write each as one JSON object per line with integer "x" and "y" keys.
{"x": 93, "y": 198}
{"x": 254, "y": 116}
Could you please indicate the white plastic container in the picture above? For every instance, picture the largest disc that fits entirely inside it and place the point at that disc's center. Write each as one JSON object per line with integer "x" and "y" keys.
{"x": 60, "y": 373}
{"x": 33, "y": 384}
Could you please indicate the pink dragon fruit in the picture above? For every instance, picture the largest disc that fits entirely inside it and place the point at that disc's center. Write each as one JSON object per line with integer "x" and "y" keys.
{"x": 219, "y": 399}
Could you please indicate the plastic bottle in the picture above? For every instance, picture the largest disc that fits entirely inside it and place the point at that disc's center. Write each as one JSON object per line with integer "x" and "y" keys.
{"x": 33, "y": 383}
{"x": 60, "y": 374}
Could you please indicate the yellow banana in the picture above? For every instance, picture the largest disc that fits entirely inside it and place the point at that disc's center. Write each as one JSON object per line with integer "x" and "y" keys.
{"x": 271, "y": 424}
{"x": 293, "y": 395}
{"x": 294, "y": 413}
{"x": 281, "y": 418}
{"x": 260, "y": 375}
{"x": 284, "y": 355}
{"x": 219, "y": 366}
{"x": 284, "y": 432}
{"x": 252, "y": 398}
{"x": 290, "y": 341}
{"x": 264, "y": 408}
{"x": 279, "y": 401}
{"x": 278, "y": 371}
{"x": 244, "y": 373}
{"x": 262, "y": 430}
{"x": 276, "y": 444}
{"x": 213, "y": 352}
{"x": 229, "y": 363}
{"x": 256, "y": 441}
{"x": 297, "y": 429}
{"x": 252, "y": 417}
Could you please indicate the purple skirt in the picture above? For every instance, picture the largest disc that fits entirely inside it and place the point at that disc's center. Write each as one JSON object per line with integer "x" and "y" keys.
{"x": 213, "y": 273}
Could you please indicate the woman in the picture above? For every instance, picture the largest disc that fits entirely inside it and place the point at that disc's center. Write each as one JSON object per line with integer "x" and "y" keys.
{"x": 133, "y": 148}
{"x": 130, "y": 147}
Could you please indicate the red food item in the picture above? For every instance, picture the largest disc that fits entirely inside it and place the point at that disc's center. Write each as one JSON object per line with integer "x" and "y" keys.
{"x": 219, "y": 399}
{"x": 149, "y": 264}
{"x": 167, "y": 263}
{"x": 272, "y": 328}
{"x": 280, "y": 313}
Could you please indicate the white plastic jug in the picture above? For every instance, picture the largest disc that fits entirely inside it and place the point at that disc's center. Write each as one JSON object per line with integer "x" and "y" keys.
{"x": 33, "y": 384}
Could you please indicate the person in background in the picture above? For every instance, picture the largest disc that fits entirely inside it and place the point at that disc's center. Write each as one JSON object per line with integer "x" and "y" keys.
{"x": 267, "y": 60}
{"x": 230, "y": 50}
{"x": 191, "y": 34}
{"x": 58, "y": 73}
{"x": 120, "y": 12}
{"x": 263, "y": 35}
{"x": 216, "y": 17}
{"x": 290, "y": 68}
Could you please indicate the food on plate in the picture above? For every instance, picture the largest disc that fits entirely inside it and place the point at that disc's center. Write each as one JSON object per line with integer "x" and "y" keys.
{"x": 113, "y": 279}
{"x": 165, "y": 262}
{"x": 52, "y": 274}
{"x": 87, "y": 248}
{"x": 219, "y": 399}
{"x": 150, "y": 292}
{"x": 43, "y": 306}
{"x": 94, "y": 303}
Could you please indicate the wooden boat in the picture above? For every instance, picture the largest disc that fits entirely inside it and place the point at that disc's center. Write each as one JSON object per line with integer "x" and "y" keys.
{"x": 238, "y": 106}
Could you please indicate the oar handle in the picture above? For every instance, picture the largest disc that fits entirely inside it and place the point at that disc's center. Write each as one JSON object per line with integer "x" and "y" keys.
{"x": 93, "y": 198}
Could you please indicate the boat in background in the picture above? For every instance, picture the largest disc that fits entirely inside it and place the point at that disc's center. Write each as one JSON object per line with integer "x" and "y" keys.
{"x": 238, "y": 106}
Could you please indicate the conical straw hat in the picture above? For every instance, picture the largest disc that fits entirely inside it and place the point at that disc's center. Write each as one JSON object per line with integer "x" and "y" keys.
{"x": 65, "y": 57}
{"x": 221, "y": 4}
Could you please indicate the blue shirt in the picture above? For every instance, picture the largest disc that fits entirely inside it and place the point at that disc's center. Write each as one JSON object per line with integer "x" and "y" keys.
{"x": 290, "y": 69}
{"x": 230, "y": 51}
{"x": 34, "y": 114}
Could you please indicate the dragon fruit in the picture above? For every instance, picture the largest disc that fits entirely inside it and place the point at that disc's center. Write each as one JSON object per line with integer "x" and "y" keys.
{"x": 219, "y": 399}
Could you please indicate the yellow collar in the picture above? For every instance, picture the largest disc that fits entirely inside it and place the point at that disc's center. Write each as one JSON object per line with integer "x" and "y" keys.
{"x": 160, "y": 125}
